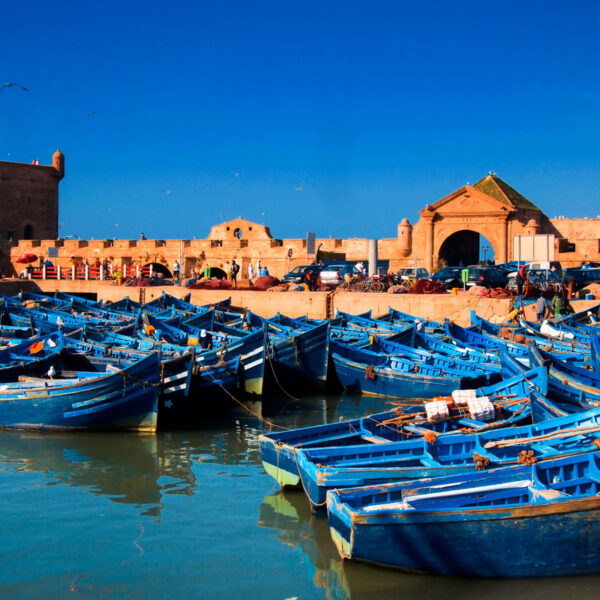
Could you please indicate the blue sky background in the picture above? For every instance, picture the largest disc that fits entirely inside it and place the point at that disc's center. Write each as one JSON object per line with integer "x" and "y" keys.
{"x": 335, "y": 117}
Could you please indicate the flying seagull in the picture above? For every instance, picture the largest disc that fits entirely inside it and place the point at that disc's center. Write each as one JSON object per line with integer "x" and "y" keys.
{"x": 11, "y": 84}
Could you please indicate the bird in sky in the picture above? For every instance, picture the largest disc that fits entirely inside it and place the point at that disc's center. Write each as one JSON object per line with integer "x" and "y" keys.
{"x": 299, "y": 188}
{"x": 11, "y": 84}
{"x": 90, "y": 114}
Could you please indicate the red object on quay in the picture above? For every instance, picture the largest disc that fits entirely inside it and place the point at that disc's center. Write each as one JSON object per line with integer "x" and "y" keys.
{"x": 27, "y": 258}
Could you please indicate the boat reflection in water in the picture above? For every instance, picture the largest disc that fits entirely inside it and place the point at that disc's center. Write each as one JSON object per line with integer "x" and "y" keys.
{"x": 124, "y": 468}
{"x": 289, "y": 515}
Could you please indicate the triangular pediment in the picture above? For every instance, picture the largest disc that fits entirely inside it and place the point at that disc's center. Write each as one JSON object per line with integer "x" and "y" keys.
{"x": 468, "y": 200}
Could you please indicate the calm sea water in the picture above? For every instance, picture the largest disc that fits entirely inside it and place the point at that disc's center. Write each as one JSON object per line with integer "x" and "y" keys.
{"x": 191, "y": 514}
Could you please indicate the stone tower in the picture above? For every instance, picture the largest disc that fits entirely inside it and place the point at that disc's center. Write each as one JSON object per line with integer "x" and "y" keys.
{"x": 58, "y": 162}
{"x": 405, "y": 238}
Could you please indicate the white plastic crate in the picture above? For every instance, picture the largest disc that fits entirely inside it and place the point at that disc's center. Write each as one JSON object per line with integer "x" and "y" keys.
{"x": 481, "y": 409}
{"x": 437, "y": 411}
{"x": 461, "y": 397}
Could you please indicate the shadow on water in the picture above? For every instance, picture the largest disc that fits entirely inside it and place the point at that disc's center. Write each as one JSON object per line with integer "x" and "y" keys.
{"x": 289, "y": 516}
{"x": 143, "y": 471}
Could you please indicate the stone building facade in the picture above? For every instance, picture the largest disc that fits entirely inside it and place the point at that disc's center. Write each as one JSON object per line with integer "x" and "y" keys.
{"x": 29, "y": 203}
{"x": 447, "y": 232}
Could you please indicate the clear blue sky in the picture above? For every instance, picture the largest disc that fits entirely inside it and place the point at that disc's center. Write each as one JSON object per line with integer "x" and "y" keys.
{"x": 335, "y": 117}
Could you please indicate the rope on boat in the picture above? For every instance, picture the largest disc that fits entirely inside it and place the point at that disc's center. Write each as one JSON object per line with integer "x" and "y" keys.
{"x": 307, "y": 492}
{"x": 256, "y": 415}
{"x": 526, "y": 457}
{"x": 273, "y": 369}
{"x": 481, "y": 462}
{"x": 548, "y": 436}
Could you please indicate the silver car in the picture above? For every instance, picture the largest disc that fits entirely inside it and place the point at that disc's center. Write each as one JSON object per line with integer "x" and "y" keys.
{"x": 334, "y": 274}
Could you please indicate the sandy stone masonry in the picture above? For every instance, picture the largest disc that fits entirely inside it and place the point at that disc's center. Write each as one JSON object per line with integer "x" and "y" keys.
{"x": 447, "y": 232}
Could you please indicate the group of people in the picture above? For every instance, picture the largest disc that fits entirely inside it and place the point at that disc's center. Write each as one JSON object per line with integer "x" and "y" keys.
{"x": 256, "y": 271}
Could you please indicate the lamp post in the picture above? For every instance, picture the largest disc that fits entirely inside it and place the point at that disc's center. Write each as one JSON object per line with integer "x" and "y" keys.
{"x": 485, "y": 251}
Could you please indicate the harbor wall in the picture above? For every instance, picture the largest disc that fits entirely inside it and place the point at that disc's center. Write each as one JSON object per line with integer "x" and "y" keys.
{"x": 317, "y": 305}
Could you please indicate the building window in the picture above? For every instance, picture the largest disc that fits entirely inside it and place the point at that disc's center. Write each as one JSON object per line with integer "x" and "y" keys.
{"x": 216, "y": 243}
{"x": 237, "y": 233}
{"x": 28, "y": 232}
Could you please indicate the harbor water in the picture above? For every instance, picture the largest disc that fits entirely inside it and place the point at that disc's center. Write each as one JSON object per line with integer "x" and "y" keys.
{"x": 191, "y": 514}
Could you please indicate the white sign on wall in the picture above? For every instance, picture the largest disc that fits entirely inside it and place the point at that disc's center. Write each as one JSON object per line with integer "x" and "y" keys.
{"x": 533, "y": 247}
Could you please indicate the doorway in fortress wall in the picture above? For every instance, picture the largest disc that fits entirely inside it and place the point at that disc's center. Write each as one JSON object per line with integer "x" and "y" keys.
{"x": 465, "y": 247}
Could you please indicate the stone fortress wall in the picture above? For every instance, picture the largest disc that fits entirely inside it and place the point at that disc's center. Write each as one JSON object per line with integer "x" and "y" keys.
{"x": 447, "y": 229}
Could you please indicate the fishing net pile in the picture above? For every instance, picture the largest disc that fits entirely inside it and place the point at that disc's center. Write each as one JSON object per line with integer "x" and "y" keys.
{"x": 426, "y": 286}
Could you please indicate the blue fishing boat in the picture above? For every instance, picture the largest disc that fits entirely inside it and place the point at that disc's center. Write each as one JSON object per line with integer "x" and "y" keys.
{"x": 424, "y": 341}
{"x": 379, "y": 374}
{"x": 538, "y": 521}
{"x": 322, "y": 469}
{"x": 424, "y": 324}
{"x": 31, "y": 357}
{"x": 568, "y": 383}
{"x": 176, "y": 368}
{"x": 553, "y": 331}
{"x": 124, "y": 399}
{"x": 296, "y": 356}
{"x": 509, "y": 397}
{"x": 456, "y": 361}
{"x": 492, "y": 343}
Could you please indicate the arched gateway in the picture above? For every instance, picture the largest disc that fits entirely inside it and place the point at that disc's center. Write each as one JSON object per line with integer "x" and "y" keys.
{"x": 450, "y": 228}
{"x": 460, "y": 248}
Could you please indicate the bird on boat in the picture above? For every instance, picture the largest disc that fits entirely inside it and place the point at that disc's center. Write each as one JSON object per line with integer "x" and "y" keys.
{"x": 11, "y": 84}
{"x": 51, "y": 372}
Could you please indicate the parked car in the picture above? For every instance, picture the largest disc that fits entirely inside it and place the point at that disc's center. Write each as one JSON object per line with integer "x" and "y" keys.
{"x": 449, "y": 277}
{"x": 542, "y": 278}
{"x": 334, "y": 274}
{"x": 581, "y": 277}
{"x": 296, "y": 275}
{"x": 414, "y": 273}
{"x": 542, "y": 265}
{"x": 486, "y": 276}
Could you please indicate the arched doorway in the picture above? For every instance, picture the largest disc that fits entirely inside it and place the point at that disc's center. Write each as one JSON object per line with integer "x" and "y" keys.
{"x": 28, "y": 232}
{"x": 159, "y": 269}
{"x": 465, "y": 247}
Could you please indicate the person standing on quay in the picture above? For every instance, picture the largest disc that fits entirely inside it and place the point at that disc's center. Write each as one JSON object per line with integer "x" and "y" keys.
{"x": 234, "y": 272}
{"x": 250, "y": 274}
{"x": 176, "y": 269}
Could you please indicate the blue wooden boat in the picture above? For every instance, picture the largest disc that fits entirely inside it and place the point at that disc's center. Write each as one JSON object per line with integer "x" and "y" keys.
{"x": 539, "y": 521}
{"x": 124, "y": 399}
{"x": 32, "y": 357}
{"x": 430, "y": 343}
{"x": 595, "y": 353}
{"x": 44, "y": 318}
{"x": 458, "y": 361}
{"x": 587, "y": 317}
{"x": 553, "y": 331}
{"x": 379, "y": 374}
{"x": 176, "y": 368}
{"x": 423, "y": 324}
{"x": 296, "y": 356}
{"x": 322, "y": 469}
{"x": 250, "y": 347}
{"x": 568, "y": 383}
{"x": 510, "y": 397}
{"x": 492, "y": 343}
{"x": 85, "y": 306}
